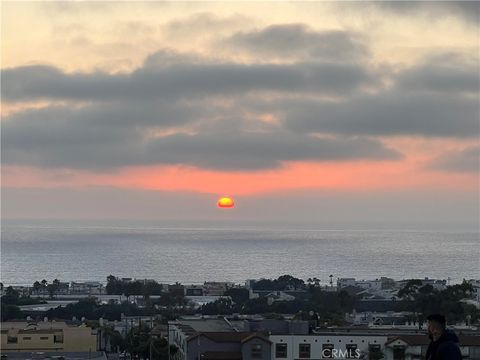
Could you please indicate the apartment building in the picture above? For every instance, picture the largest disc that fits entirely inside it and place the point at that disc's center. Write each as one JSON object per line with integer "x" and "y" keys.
{"x": 223, "y": 338}
{"x": 47, "y": 336}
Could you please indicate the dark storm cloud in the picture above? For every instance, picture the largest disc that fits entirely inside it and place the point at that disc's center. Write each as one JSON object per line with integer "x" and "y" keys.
{"x": 466, "y": 160}
{"x": 390, "y": 113}
{"x": 298, "y": 40}
{"x": 182, "y": 80}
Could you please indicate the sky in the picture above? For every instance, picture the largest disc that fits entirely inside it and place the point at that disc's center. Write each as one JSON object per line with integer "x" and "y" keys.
{"x": 303, "y": 112}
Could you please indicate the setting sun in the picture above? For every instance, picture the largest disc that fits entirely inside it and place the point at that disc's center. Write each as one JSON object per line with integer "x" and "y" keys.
{"x": 225, "y": 202}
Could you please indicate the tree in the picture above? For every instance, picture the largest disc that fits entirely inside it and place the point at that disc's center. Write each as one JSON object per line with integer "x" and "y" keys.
{"x": 114, "y": 286}
{"x": 238, "y": 295}
{"x": 11, "y": 296}
{"x": 286, "y": 281}
{"x": 44, "y": 284}
{"x": 53, "y": 288}
{"x": 117, "y": 343}
{"x": 10, "y": 312}
{"x": 410, "y": 288}
{"x": 222, "y": 306}
{"x": 36, "y": 287}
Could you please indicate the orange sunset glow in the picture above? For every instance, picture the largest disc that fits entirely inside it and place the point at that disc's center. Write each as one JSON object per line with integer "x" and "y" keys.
{"x": 234, "y": 98}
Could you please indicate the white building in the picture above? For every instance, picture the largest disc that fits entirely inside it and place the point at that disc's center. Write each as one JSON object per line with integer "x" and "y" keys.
{"x": 326, "y": 345}
{"x": 87, "y": 287}
{"x": 278, "y": 296}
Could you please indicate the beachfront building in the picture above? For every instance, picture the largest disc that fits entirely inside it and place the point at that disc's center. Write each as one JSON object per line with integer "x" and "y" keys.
{"x": 216, "y": 288}
{"x": 87, "y": 287}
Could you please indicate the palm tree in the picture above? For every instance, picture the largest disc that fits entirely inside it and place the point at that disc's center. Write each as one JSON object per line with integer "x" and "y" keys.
{"x": 44, "y": 285}
{"x": 53, "y": 287}
{"x": 36, "y": 287}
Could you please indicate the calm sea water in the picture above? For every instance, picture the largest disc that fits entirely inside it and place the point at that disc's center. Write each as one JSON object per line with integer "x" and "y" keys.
{"x": 193, "y": 255}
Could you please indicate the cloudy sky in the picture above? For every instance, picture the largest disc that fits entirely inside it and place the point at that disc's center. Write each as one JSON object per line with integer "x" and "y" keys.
{"x": 311, "y": 112}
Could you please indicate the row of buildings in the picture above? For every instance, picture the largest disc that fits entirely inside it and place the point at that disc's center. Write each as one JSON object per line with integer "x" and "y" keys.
{"x": 208, "y": 288}
{"x": 381, "y": 288}
{"x": 223, "y": 338}
{"x": 234, "y": 338}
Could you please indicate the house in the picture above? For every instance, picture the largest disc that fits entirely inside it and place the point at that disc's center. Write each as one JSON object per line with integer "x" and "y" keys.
{"x": 344, "y": 282}
{"x": 278, "y": 296}
{"x": 176, "y": 290}
{"x": 87, "y": 287}
{"x": 214, "y": 288}
{"x": 409, "y": 347}
{"x": 193, "y": 290}
{"x": 221, "y": 345}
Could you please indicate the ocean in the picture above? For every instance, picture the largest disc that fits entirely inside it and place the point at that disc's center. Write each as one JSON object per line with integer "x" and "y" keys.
{"x": 198, "y": 254}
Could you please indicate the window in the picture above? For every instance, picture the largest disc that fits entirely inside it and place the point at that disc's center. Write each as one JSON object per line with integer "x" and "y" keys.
{"x": 12, "y": 340}
{"x": 281, "y": 350}
{"x": 327, "y": 351}
{"x": 304, "y": 351}
{"x": 374, "y": 351}
{"x": 351, "y": 351}
{"x": 43, "y": 337}
{"x": 256, "y": 351}
{"x": 58, "y": 338}
{"x": 27, "y": 338}
{"x": 398, "y": 352}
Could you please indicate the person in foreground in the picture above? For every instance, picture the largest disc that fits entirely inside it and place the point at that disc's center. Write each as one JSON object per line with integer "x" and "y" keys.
{"x": 444, "y": 342}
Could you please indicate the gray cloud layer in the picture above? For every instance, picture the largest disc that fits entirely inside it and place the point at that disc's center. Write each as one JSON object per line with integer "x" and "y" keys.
{"x": 182, "y": 80}
{"x": 391, "y": 113}
{"x": 221, "y": 100}
{"x": 443, "y": 78}
{"x": 299, "y": 41}
{"x": 466, "y": 160}
{"x": 468, "y": 11}
{"x": 62, "y": 138}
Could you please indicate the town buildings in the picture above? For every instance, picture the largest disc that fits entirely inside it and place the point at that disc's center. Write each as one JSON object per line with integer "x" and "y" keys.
{"x": 250, "y": 337}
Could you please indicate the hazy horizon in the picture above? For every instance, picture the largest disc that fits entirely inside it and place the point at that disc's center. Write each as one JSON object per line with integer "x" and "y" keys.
{"x": 315, "y": 113}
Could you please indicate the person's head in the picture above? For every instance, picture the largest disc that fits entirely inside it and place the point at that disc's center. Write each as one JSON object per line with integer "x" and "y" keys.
{"x": 436, "y": 325}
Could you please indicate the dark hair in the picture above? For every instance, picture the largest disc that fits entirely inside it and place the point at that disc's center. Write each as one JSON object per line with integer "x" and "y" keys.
{"x": 438, "y": 318}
